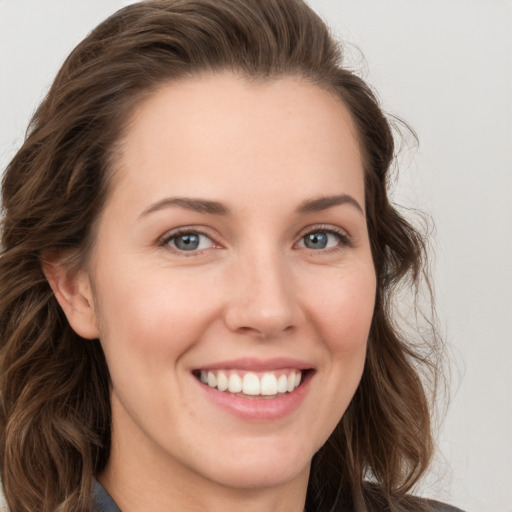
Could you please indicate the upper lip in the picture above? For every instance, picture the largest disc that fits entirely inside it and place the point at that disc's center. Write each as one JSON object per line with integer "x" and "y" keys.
{"x": 258, "y": 365}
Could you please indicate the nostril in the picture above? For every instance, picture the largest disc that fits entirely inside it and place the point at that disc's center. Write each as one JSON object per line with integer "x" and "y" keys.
{"x": 265, "y": 333}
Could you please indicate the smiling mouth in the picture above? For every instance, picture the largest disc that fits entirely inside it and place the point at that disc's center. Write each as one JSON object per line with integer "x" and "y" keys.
{"x": 268, "y": 384}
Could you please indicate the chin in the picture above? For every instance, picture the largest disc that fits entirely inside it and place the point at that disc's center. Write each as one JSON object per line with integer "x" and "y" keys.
{"x": 258, "y": 467}
{"x": 259, "y": 476}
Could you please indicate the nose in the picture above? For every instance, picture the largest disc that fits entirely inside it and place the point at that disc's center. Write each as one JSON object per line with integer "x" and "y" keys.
{"x": 263, "y": 302}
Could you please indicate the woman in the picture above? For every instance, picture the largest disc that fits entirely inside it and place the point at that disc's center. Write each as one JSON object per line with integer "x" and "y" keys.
{"x": 198, "y": 273}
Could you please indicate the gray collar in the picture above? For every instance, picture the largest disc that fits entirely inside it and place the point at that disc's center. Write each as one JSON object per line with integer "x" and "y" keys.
{"x": 104, "y": 503}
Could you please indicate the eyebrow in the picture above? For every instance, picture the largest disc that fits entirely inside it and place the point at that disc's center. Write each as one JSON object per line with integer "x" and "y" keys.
{"x": 196, "y": 205}
{"x": 215, "y": 208}
{"x": 323, "y": 203}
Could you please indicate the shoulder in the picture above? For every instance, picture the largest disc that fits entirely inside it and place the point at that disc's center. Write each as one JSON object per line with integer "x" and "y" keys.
{"x": 102, "y": 499}
{"x": 437, "y": 506}
{"x": 409, "y": 504}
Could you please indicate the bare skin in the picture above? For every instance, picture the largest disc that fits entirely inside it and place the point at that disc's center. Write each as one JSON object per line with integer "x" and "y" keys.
{"x": 234, "y": 234}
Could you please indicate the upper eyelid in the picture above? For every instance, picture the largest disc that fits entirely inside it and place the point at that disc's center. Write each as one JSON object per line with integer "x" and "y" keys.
{"x": 165, "y": 242}
{"x": 324, "y": 227}
{"x": 183, "y": 230}
{"x": 345, "y": 237}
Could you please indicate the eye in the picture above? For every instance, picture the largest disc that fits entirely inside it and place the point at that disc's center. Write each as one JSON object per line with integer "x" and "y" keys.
{"x": 323, "y": 239}
{"x": 320, "y": 240}
{"x": 189, "y": 241}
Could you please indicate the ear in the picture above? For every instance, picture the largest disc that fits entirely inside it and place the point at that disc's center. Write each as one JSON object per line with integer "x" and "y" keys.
{"x": 74, "y": 293}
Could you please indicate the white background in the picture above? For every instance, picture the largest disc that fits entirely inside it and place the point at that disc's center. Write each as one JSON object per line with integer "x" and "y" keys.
{"x": 445, "y": 66}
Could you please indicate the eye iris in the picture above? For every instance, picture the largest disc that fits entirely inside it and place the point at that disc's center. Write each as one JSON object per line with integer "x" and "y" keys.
{"x": 316, "y": 240}
{"x": 187, "y": 242}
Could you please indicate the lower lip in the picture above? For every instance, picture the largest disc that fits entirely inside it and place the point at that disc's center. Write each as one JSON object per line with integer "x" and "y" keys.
{"x": 258, "y": 409}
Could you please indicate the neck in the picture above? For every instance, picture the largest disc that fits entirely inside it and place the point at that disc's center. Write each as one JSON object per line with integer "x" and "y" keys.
{"x": 143, "y": 490}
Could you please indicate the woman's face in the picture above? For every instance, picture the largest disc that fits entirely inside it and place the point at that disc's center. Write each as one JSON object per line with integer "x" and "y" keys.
{"x": 233, "y": 250}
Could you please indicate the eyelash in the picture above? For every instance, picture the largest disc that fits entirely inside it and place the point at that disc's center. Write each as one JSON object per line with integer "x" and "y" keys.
{"x": 166, "y": 241}
{"x": 343, "y": 237}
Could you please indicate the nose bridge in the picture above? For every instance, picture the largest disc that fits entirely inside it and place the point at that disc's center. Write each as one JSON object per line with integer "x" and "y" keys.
{"x": 263, "y": 301}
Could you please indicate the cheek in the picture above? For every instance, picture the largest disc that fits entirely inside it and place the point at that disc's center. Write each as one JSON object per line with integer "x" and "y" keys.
{"x": 154, "y": 313}
{"x": 148, "y": 325}
{"x": 344, "y": 309}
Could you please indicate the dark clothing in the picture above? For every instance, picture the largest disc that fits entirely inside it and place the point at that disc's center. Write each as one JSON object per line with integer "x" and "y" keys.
{"x": 104, "y": 503}
{"x": 443, "y": 507}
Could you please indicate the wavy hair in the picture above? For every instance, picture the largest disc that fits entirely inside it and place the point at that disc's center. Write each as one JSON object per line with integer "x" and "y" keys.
{"x": 55, "y": 415}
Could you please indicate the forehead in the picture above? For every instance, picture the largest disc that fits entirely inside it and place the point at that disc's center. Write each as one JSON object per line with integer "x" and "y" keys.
{"x": 222, "y": 128}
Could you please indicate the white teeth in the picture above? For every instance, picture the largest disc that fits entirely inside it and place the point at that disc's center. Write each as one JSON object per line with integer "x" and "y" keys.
{"x": 235, "y": 383}
{"x": 291, "y": 382}
{"x": 212, "y": 380}
{"x": 251, "y": 383}
{"x": 222, "y": 381}
{"x": 282, "y": 384}
{"x": 269, "y": 384}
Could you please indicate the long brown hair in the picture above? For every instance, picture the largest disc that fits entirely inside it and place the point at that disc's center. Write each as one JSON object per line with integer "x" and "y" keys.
{"x": 54, "y": 386}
